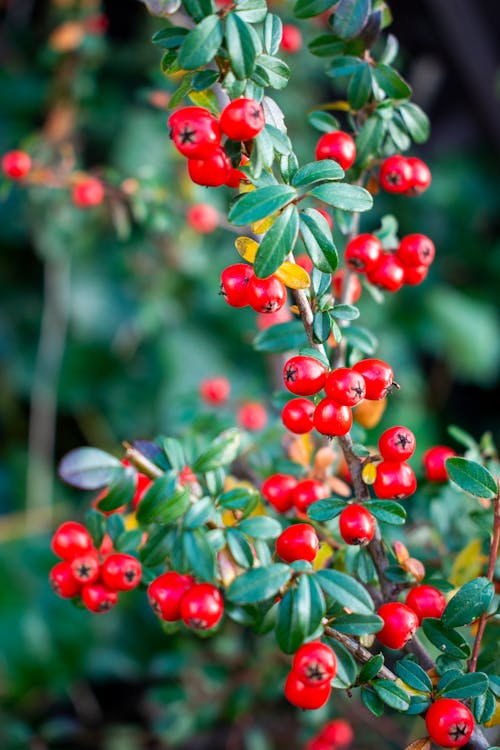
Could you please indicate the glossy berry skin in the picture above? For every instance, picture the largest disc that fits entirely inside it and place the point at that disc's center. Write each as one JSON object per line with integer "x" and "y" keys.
{"x": 416, "y": 250}
{"x": 421, "y": 176}
{"x": 266, "y": 295}
{"x": 388, "y": 275}
{"x": 252, "y": 416}
{"x": 449, "y": 722}
{"x": 304, "y": 376}
{"x": 215, "y": 391}
{"x": 86, "y": 569}
{"x": 212, "y": 171}
{"x": 395, "y": 480}
{"x": 346, "y": 386}
{"x": 291, "y": 39}
{"x": 304, "y": 696}
{"x": 378, "y": 377}
{"x": 277, "y": 490}
{"x": 356, "y": 525}
{"x": 121, "y": 572}
{"x": 354, "y": 287}
{"x": 88, "y": 192}
{"x": 297, "y": 415}
{"x": 400, "y": 624}
{"x": 165, "y": 594}
{"x": 71, "y": 540}
{"x": 98, "y": 598}
{"x": 434, "y": 461}
{"x": 203, "y": 218}
{"x": 315, "y": 664}
{"x": 16, "y": 164}
{"x": 234, "y": 284}
{"x": 331, "y": 418}
{"x": 414, "y": 275}
{"x": 397, "y": 444}
{"x": 363, "y": 253}
{"x": 242, "y": 119}
{"x": 396, "y": 174}
{"x": 307, "y": 492}
{"x": 62, "y": 580}
{"x": 338, "y": 146}
{"x": 195, "y": 132}
{"x": 202, "y": 607}
{"x": 235, "y": 177}
{"x": 338, "y": 734}
{"x": 426, "y": 601}
{"x": 298, "y": 542}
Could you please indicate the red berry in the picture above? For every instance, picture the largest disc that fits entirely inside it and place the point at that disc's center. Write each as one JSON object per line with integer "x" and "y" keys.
{"x": 235, "y": 177}
{"x": 378, "y": 377}
{"x": 71, "y": 540}
{"x": 389, "y": 274}
{"x": 356, "y": 525}
{"x": 400, "y": 624}
{"x": 252, "y": 416}
{"x": 297, "y": 415}
{"x": 315, "y": 664}
{"x": 165, "y": 594}
{"x": 421, "y": 176}
{"x": 86, "y": 568}
{"x": 88, "y": 192}
{"x": 426, "y": 601}
{"x": 394, "y": 480}
{"x": 195, "y": 132}
{"x": 397, "y": 444}
{"x": 298, "y": 542}
{"x": 363, "y": 253}
{"x": 202, "y": 606}
{"x": 416, "y": 250}
{"x": 326, "y": 216}
{"x": 434, "y": 461}
{"x": 266, "y": 320}
{"x": 234, "y": 284}
{"x": 354, "y": 286}
{"x": 346, "y": 386}
{"x": 449, "y": 723}
{"x": 98, "y": 598}
{"x": 303, "y": 696}
{"x": 331, "y": 418}
{"x": 277, "y": 489}
{"x": 215, "y": 390}
{"x": 307, "y": 492}
{"x": 203, "y": 218}
{"x": 414, "y": 275}
{"x": 337, "y": 734}
{"x": 304, "y": 376}
{"x": 62, "y": 580}
{"x": 291, "y": 39}
{"x": 242, "y": 119}
{"x": 304, "y": 262}
{"x": 212, "y": 171}
{"x": 16, "y": 164}
{"x": 143, "y": 483}
{"x": 338, "y": 146}
{"x": 266, "y": 295}
{"x": 396, "y": 174}
{"x": 121, "y": 572}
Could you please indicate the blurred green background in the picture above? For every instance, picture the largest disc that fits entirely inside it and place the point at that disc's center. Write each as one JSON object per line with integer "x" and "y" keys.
{"x": 109, "y": 319}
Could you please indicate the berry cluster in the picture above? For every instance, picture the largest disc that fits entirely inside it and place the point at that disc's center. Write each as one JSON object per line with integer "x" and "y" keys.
{"x": 241, "y": 287}
{"x": 284, "y": 492}
{"x": 175, "y": 597}
{"x": 404, "y": 174}
{"x": 336, "y": 735}
{"x": 402, "y": 620}
{"x": 197, "y": 135}
{"x": 395, "y": 478}
{"x": 308, "y": 684}
{"x": 94, "y": 575}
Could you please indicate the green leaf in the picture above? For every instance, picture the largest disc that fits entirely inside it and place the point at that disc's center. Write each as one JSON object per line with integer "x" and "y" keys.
{"x": 259, "y": 584}
{"x": 204, "y": 79}
{"x": 115, "y": 526}
{"x": 470, "y": 601}
{"x": 387, "y": 511}
{"x": 243, "y": 46}
{"x": 157, "y": 547}
{"x": 350, "y": 17}
{"x": 308, "y": 351}
{"x": 418, "y": 704}
{"x": 201, "y": 44}
{"x": 391, "y": 82}
{"x": 464, "y": 686}
{"x": 472, "y": 477}
{"x": 222, "y": 451}
{"x": 371, "y": 668}
{"x": 318, "y": 604}
{"x": 182, "y": 91}
{"x": 413, "y": 674}
{"x": 357, "y": 624}
{"x": 318, "y": 171}
{"x": 310, "y": 8}
{"x": 294, "y": 614}
{"x": 323, "y": 121}
{"x": 326, "y": 45}
{"x": 280, "y": 141}
{"x": 318, "y": 241}
{"x": 416, "y": 121}
{"x": 275, "y": 70}
{"x": 360, "y": 87}
{"x": 261, "y": 527}
{"x": 484, "y": 707}
{"x": 361, "y": 338}
{"x": 238, "y": 498}
{"x": 346, "y": 591}
{"x": 199, "y": 554}
{"x": 170, "y": 37}
{"x": 392, "y": 695}
{"x": 89, "y": 468}
{"x": 281, "y": 337}
{"x": 345, "y": 312}
{"x": 95, "y": 523}
{"x": 260, "y": 203}
{"x": 251, "y": 11}
{"x": 372, "y": 701}
{"x": 344, "y": 65}
{"x": 369, "y": 140}
{"x": 462, "y": 437}
{"x": 447, "y": 641}
{"x": 174, "y": 453}
{"x": 129, "y": 541}
{"x": 199, "y": 513}
{"x": 240, "y": 548}
{"x": 273, "y": 30}
{"x": 321, "y": 327}
{"x": 277, "y": 243}
{"x": 343, "y": 196}
{"x": 325, "y": 510}
{"x": 163, "y": 502}
{"x": 198, "y": 9}
{"x": 346, "y": 666}
{"x": 120, "y": 492}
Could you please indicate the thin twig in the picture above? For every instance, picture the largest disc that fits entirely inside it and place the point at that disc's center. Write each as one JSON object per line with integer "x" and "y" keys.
{"x": 359, "y": 652}
{"x": 142, "y": 463}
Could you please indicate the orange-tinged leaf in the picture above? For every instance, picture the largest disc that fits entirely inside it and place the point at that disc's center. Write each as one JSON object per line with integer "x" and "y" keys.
{"x": 424, "y": 743}
{"x": 401, "y": 552}
{"x": 323, "y": 459}
{"x": 300, "y": 450}
{"x": 369, "y": 413}
{"x": 293, "y": 276}
{"x": 228, "y": 568}
{"x": 247, "y": 248}
{"x": 369, "y": 473}
{"x": 338, "y": 486}
{"x": 294, "y": 309}
{"x": 415, "y": 568}
{"x": 468, "y": 564}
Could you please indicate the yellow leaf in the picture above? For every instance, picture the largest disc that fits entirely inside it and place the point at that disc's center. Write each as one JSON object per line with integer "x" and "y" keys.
{"x": 340, "y": 104}
{"x": 324, "y": 555}
{"x": 261, "y": 226}
{"x": 293, "y": 276}
{"x": 247, "y": 248}
{"x": 495, "y": 719}
{"x": 246, "y": 187}
{"x": 205, "y": 99}
{"x": 369, "y": 473}
{"x": 467, "y": 564}
{"x": 130, "y": 522}
{"x": 300, "y": 450}
{"x": 294, "y": 309}
{"x": 423, "y": 743}
{"x": 409, "y": 689}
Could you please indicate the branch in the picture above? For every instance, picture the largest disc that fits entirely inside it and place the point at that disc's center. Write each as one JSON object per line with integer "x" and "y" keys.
{"x": 143, "y": 464}
{"x": 358, "y": 651}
